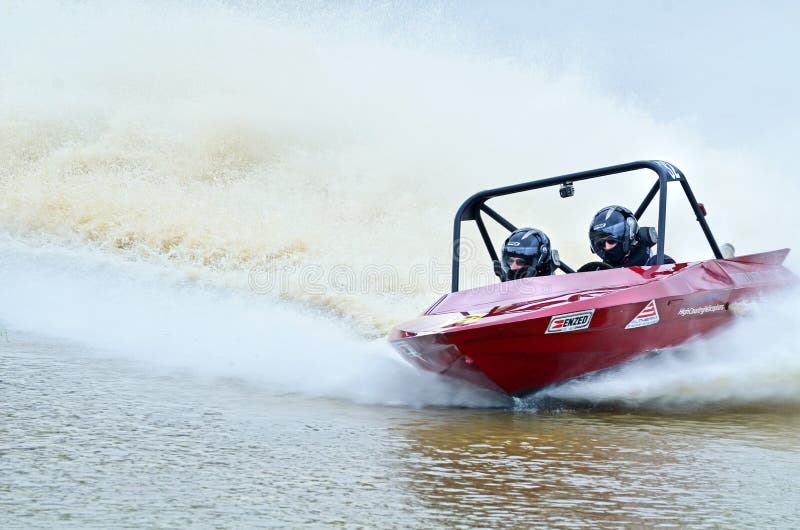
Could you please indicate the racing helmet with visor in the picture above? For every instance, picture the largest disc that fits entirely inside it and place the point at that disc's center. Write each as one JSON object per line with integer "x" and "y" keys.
{"x": 526, "y": 253}
{"x": 613, "y": 233}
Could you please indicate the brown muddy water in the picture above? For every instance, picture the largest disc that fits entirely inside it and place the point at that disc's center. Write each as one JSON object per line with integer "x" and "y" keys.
{"x": 88, "y": 440}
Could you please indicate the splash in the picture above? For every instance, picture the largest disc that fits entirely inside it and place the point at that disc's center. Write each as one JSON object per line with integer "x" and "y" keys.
{"x": 755, "y": 362}
{"x": 242, "y": 161}
{"x": 220, "y": 140}
{"x": 139, "y": 312}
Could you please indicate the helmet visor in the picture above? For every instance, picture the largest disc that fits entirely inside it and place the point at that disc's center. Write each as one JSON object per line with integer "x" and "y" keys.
{"x": 599, "y": 235}
{"x": 529, "y": 250}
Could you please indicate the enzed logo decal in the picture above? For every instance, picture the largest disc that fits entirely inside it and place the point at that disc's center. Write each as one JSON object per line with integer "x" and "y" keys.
{"x": 646, "y": 317}
{"x": 570, "y": 322}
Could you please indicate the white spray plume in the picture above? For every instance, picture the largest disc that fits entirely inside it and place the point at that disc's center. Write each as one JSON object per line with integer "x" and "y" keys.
{"x": 225, "y": 138}
{"x": 755, "y": 361}
{"x": 140, "y": 312}
{"x": 205, "y": 141}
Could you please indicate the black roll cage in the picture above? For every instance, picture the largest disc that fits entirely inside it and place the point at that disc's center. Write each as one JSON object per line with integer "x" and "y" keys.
{"x": 472, "y": 208}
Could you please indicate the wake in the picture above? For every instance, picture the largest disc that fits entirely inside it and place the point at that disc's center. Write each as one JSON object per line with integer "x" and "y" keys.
{"x": 755, "y": 362}
{"x": 141, "y": 312}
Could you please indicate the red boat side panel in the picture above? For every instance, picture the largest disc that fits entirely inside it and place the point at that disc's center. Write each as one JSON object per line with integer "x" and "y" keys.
{"x": 520, "y": 361}
{"x": 527, "y": 334}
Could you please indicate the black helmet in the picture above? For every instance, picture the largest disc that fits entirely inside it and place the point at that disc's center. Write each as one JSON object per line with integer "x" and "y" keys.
{"x": 531, "y": 245}
{"x": 613, "y": 223}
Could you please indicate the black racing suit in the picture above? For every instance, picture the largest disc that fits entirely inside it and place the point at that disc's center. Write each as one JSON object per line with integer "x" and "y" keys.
{"x": 640, "y": 255}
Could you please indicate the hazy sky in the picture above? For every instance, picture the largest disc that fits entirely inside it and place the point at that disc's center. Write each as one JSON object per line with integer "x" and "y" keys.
{"x": 731, "y": 67}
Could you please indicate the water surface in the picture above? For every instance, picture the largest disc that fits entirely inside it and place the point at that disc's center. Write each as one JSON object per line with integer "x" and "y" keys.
{"x": 94, "y": 441}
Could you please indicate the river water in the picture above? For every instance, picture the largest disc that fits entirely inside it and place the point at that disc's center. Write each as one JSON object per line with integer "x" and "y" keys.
{"x": 88, "y": 440}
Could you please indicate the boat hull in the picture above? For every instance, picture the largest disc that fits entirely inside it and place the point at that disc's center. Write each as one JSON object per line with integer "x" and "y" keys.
{"x": 520, "y": 336}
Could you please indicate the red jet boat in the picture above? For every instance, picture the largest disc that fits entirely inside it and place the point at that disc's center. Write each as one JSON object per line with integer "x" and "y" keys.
{"x": 522, "y": 335}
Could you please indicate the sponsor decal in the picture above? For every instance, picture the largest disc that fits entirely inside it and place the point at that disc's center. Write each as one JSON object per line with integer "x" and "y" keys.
{"x": 671, "y": 170}
{"x": 646, "y": 317}
{"x": 700, "y": 310}
{"x": 570, "y": 322}
{"x": 467, "y": 319}
{"x": 598, "y": 227}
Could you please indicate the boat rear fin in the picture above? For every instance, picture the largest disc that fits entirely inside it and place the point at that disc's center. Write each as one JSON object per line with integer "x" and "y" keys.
{"x": 775, "y": 257}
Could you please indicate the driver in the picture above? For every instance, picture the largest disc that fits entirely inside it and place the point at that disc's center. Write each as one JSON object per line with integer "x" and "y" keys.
{"x": 614, "y": 236}
{"x": 526, "y": 253}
